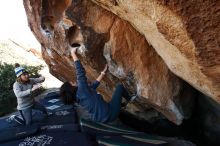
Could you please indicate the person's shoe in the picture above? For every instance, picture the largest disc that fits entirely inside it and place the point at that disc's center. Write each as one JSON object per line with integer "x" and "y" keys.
{"x": 19, "y": 120}
{"x": 11, "y": 118}
{"x": 16, "y": 119}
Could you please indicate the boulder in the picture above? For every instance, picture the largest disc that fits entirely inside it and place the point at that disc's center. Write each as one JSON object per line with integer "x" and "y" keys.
{"x": 150, "y": 46}
{"x": 184, "y": 33}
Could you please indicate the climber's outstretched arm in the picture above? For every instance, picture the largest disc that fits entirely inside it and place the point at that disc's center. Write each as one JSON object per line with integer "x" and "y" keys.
{"x": 100, "y": 77}
{"x": 80, "y": 71}
{"x": 73, "y": 54}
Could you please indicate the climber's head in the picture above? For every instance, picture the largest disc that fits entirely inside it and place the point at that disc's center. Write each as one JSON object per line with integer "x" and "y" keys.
{"x": 21, "y": 74}
{"x": 68, "y": 93}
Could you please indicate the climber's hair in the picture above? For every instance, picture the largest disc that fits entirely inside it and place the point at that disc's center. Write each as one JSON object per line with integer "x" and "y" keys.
{"x": 68, "y": 93}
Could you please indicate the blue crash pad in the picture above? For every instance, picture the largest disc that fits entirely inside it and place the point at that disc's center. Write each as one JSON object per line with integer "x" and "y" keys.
{"x": 53, "y": 103}
{"x": 61, "y": 117}
{"x": 7, "y": 122}
{"x": 60, "y": 127}
{"x": 16, "y": 120}
{"x": 52, "y": 139}
{"x": 10, "y": 134}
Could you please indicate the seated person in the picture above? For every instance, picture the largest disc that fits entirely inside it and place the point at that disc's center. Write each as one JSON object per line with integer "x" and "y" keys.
{"x": 87, "y": 97}
{"x": 25, "y": 90}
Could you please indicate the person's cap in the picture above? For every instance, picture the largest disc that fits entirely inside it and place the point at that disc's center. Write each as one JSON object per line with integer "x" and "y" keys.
{"x": 19, "y": 71}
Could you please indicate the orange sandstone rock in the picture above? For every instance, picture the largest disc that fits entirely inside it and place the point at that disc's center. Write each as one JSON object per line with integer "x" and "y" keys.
{"x": 145, "y": 43}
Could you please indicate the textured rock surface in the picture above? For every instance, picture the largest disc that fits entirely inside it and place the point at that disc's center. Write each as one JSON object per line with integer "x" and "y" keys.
{"x": 131, "y": 54}
{"x": 184, "y": 33}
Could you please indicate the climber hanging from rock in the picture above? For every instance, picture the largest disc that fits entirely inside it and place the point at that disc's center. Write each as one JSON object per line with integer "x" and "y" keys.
{"x": 25, "y": 89}
{"x": 87, "y": 97}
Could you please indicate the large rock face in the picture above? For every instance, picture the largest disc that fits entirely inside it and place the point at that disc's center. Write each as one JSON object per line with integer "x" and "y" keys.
{"x": 184, "y": 33}
{"x": 158, "y": 40}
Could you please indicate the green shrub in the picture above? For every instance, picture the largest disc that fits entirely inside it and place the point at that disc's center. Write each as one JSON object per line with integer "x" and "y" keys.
{"x": 8, "y": 100}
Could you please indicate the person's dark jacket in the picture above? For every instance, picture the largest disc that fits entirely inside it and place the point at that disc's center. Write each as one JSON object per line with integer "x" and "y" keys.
{"x": 88, "y": 97}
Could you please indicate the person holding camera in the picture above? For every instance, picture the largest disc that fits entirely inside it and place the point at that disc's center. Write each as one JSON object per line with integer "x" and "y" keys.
{"x": 25, "y": 90}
